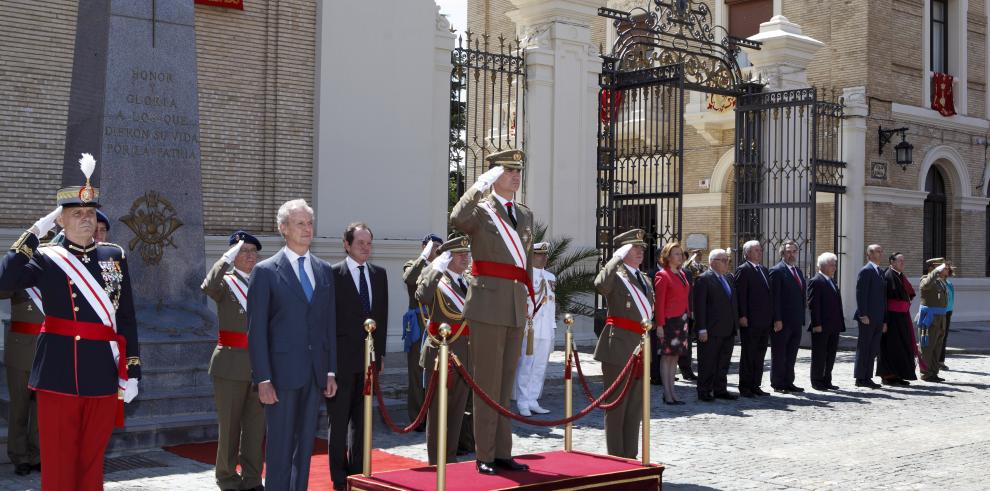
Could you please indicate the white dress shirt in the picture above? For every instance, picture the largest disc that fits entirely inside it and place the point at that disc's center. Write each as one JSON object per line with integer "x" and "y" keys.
{"x": 502, "y": 201}
{"x": 352, "y": 265}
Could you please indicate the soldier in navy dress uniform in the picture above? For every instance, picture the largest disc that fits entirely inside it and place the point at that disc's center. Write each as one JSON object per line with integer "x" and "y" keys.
{"x": 87, "y": 363}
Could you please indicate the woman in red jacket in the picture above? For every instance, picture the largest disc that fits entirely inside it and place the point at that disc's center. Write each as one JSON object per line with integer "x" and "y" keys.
{"x": 671, "y": 308}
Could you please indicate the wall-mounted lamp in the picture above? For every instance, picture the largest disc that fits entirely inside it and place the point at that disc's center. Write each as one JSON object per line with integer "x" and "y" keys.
{"x": 902, "y": 151}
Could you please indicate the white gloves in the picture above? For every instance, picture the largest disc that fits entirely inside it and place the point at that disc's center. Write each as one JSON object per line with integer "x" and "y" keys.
{"x": 228, "y": 257}
{"x": 486, "y": 180}
{"x": 622, "y": 251}
{"x": 130, "y": 390}
{"x": 940, "y": 268}
{"x": 441, "y": 262}
{"x": 42, "y": 226}
{"x": 428, "y": 250}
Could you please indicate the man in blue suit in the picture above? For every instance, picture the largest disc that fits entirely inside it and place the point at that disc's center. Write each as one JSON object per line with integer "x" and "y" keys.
{"x": 292, "y": 342}
{"x": 825, "y": 305}
{"x": 871, "y": 309}
{"x": 789, "y": 286}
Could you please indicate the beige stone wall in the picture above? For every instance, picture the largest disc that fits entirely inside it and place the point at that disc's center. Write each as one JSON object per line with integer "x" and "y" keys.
{"x": 256, "y": 82}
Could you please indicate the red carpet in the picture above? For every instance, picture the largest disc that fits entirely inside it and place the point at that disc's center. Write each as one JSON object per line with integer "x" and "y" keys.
{"x": 547, "y": 471}
{"x": 319, "y": 468}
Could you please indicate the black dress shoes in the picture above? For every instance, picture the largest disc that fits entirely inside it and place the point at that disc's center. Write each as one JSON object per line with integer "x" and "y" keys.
{"x": 820, "y": 387}
{"x": 746, "y": 393}
{"x": 22, "y": 469}
{"x": 760, "y": 392}
{"x": 511, "y": 464}
{"x": 867, "y": 383}
{"x": 726, "y": 396}
{"x": 794, "y": 388}
{"x": 782, "y": 390}
{"x": 833, "y": 387}
{"x": 689, "y": 375}
{"x": 895, "y": 381}
{"x": 701, "y": 397}
{"x": 485, "y": 467}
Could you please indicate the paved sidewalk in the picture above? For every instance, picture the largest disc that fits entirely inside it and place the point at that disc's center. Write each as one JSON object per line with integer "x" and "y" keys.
{"x": 919, "y": 437}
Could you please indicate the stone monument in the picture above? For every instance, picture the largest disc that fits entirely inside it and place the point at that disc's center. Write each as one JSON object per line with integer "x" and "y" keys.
{"x": 134, "y": 106}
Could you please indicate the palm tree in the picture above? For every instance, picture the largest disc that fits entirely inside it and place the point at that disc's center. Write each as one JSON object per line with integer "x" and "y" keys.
{"x": 575, "y": 279}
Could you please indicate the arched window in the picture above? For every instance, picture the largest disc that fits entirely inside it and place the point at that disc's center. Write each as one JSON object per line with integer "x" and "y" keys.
{"x": 934, "y": 234}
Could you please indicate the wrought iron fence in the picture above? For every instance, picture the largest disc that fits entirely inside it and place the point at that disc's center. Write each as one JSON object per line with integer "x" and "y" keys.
{"x": 487, "y": 101}
{"x": 789, "y": 173}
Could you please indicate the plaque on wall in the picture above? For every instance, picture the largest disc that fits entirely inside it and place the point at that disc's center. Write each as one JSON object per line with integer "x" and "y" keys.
{"x": 697, "y": 241}
{"x": 878, "y": 170}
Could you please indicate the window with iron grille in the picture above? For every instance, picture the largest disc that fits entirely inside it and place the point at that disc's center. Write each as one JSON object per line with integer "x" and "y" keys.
{"x": 935, "y": 217}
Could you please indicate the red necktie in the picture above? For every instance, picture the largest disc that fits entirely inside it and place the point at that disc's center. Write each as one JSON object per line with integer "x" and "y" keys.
{"x": 796, "y": 277}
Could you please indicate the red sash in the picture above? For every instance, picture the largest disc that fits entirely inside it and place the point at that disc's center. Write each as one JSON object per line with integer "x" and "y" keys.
{"x": 626, "y": 324}
{"x": 898, "y": 305}
{"x": 25, "y": 328}
{"x": 435, "y": 329}
{"x": 233, "y": 339}
{"x": 504, "y": 271}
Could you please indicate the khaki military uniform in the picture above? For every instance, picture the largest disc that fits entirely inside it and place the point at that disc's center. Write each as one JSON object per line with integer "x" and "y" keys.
{"x": 240, "y": 414}
{"x": 411, "y": 271}
{"x": 497, "y": 310}
{"x": 934, "y": 293}
{"x": 443, "y": 310}
{"x": 18, "y": 356}
{"x": 615, "y": 346}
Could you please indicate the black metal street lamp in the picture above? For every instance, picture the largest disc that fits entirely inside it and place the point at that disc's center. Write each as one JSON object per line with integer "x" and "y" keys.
{"x": 903, "y": 151}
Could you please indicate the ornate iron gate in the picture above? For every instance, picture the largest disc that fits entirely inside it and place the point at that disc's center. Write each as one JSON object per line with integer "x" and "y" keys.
{"x": 487, "y": 94}
{"x": 788, "y": 173}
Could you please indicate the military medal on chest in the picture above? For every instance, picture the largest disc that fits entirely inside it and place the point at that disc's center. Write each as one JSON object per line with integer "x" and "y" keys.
{"x": 113, "y": 276}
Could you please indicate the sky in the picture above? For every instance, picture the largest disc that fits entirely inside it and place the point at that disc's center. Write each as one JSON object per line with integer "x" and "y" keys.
{"x": 456, "y": 12}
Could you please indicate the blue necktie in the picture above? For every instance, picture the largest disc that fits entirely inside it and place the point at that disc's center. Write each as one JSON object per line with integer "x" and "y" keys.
{"x": 725, "y": 285}
{"x": 304, "y": 279}
{"x": 363, "y": 291}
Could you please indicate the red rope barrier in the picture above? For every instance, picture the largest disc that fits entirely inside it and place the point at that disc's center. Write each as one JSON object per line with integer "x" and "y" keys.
{"x": 584, "y": 381}
{"x": 422, "y": 410}
{"x": 627, "y": 371}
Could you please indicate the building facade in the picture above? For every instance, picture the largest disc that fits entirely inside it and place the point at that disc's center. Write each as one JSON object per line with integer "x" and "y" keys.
{"x": 881, "y": 58}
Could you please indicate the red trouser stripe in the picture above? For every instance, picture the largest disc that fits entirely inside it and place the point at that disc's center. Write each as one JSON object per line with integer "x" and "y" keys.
{"x": 74, "y": 432}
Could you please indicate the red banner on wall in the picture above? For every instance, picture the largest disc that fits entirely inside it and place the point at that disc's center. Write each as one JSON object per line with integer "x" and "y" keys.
{"x": 227, "y": 4}
{"x": 942, "y": 94}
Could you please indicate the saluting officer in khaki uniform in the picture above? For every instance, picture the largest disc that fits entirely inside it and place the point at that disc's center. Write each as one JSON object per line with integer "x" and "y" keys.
{"x": 412, "y": 328}
{"x": 501, "y": 232}
{"x": 442, "y": 288}
{"x": 26, "y": 317}
{"x": 629, "y": 297}
{"x": 239, "y": 411}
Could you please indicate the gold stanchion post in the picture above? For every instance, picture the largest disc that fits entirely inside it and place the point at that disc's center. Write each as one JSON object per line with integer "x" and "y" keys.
{"x": 568, "y": 402}
{"x": 647, "y": 351}
{"x": 369, "y": 358}
{"x": 442, "y": 408}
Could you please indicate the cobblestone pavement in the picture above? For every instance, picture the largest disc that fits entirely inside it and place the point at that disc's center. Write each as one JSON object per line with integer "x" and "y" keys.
{"x": 923, "y": 436}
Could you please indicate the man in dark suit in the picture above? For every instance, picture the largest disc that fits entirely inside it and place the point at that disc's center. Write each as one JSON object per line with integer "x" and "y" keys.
{"x": 871, "y": 311}
{"x": 362, "y": 293}
{"x": 825, "y": 305}
{"x": 788, "y": 284}
{"x": 292, "y": 345}
{"x": 716, "y": 306}
{"x": 755, "y": 318}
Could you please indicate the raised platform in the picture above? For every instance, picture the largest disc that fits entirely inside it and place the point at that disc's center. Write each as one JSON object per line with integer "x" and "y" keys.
{"x": 547, "y": 471}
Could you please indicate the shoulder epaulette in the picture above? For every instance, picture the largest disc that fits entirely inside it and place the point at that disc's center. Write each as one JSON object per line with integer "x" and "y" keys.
{"x": 111, "y": 244}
